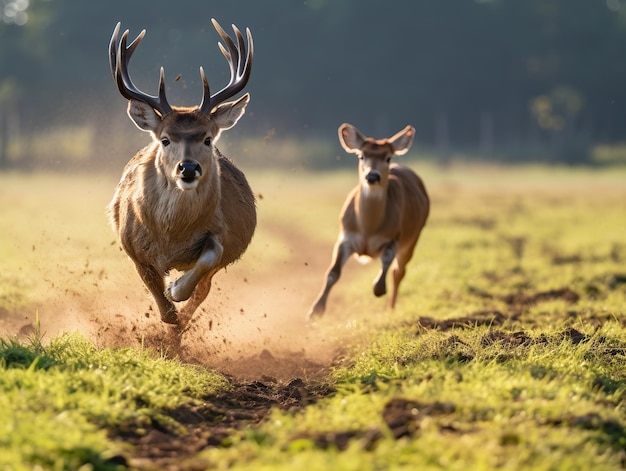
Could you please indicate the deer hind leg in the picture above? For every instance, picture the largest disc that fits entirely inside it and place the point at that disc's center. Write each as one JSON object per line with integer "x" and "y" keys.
{"x": 387, "y": 256}
{"x": 399, "y": 271}
{"x": 154, "y": 282}
{"x": 182, "y": 288}
{"x": 341, "y": 254}
{"x": 199, "y": 295}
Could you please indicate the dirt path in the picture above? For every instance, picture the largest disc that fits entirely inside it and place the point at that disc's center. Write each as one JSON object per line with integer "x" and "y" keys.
{"x": 251, "y": 328}
{"x": 252, "y": 325}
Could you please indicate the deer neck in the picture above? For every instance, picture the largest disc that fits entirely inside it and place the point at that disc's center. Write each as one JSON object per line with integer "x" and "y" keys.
{"x": 370, "y": 207}
{"x": 177, "y": 212}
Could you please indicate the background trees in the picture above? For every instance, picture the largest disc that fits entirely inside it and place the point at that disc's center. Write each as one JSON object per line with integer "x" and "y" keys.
{"x": 496, "y": 79}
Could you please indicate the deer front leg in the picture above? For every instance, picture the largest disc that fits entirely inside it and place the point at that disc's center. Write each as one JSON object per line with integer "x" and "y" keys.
{"x": 182, "y": 288}
{"x": 154, "y": 282}
{"x": 387, "y": 256}
{"x": 341, "y": 253}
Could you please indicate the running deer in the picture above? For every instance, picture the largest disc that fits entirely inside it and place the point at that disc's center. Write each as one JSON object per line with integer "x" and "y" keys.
{"x": 181, "y": 204}
{"x": 382, "y": 216}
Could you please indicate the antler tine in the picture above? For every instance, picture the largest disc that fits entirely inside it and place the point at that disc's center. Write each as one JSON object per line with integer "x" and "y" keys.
{"x": 239, "y": 69}
{"x": 113, "y": 48}
{"x": 206, "y": 95}
{"x": 119, "y": 56}
{"x": 242, "y": 46}
{"x": 232, "y": 52}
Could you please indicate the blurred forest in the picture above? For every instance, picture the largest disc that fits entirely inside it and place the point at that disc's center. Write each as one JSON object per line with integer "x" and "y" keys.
{"x": 491, "y": 80}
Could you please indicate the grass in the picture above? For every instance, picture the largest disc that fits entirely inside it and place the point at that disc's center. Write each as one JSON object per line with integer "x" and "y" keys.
{"x": 464, "y": 403}
{"x": 506, "y": 351}
{"x": 544, "y": 388}
{"x": 59, "y": 402}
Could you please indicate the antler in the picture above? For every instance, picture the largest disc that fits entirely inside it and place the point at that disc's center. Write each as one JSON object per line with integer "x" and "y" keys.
{"x": 239, "y": 69}
{"x": 119, "y": 56}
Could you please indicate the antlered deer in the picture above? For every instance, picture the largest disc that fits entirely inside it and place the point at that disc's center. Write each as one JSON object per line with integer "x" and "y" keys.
{"x": 181, "y": 204}
{"x": 383, "y": 215}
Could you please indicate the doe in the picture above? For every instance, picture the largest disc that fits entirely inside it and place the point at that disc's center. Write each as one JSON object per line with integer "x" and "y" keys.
{"x": 383, "y": 216}
{"x": 180, "y": 204}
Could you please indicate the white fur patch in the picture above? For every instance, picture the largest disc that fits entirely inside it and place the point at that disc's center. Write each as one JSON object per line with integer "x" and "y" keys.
{"x": 375, "y": 191}
{"x": 186, "y": 185}
{"x": 363, "y": 259}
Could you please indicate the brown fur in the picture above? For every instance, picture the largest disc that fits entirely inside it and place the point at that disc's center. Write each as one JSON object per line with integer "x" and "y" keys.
{"x": 162, "y": 227}
{"x": 180, "y": 204}
{"x": 380, "y": 219}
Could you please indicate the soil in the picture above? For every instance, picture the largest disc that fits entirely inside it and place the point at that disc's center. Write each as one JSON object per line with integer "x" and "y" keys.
{"x": 252, "y": 328}
{"x": 212, "y": 423}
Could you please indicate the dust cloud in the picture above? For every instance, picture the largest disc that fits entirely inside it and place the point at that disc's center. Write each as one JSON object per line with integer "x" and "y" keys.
{"x": 251, "y": 326}
{"x": 66, "y": 273}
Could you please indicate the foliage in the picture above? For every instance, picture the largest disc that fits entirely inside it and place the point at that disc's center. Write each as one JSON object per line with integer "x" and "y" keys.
{"x": 483, "y": 65}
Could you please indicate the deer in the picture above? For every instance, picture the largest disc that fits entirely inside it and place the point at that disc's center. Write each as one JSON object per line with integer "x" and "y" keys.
{"x": 382, "y": 217}
{"x": 180, "y": 204}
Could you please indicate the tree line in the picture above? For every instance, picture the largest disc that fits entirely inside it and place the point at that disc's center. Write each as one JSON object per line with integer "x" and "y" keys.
{"x": 507, "y": 80}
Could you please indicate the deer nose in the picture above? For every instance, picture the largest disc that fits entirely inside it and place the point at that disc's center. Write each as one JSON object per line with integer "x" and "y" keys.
{"x": 189, "y": 170}
{"x": 372, "y": 177}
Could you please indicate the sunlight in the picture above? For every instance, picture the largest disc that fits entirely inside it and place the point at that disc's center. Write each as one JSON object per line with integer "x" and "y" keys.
{"x": 14, "y": 12}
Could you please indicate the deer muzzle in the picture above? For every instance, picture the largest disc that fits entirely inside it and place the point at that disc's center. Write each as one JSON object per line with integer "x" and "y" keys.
{"x": 187, "y": 173}
{"x": 189, "y": 170}
{"x": 372, "y": 177}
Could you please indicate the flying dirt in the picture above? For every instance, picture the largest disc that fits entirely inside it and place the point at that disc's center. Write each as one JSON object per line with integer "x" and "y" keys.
{"x": 252, "y": 327}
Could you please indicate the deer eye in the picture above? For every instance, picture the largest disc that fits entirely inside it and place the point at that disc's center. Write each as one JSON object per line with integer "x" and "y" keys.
{"x": 207, "y": 142}
{"x": 388, "y": 159}
{"x": 165, "y": 141}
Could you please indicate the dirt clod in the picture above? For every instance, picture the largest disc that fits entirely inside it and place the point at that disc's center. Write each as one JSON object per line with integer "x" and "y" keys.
{"x": 404, "y": 417}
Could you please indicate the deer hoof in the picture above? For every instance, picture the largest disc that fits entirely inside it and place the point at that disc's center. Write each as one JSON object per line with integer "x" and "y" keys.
{"x": 380, "y": 289}
{"x": 170, "y": 316}
{"x": 315, "y": 313}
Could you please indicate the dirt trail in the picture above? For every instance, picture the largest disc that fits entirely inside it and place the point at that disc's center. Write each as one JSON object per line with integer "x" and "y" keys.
{"x": 252, "y": 325}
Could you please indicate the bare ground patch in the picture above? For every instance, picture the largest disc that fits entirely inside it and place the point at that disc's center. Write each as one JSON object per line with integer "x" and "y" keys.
{"x": 198, "y": 427}
{"x": 251, "y": 328}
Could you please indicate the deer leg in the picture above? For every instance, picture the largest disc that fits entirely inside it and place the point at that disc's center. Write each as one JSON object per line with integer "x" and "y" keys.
{"x": 199, "y": 295}
{"x": 341, "y": 254}
{"x": 399, "y": 271}
{"x": 387, "y": 256}
{"x": 154, "y": 281}
{"x": 182, "y": 288}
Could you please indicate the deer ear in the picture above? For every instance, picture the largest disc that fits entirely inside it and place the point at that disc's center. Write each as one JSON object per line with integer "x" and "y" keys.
{"x": 144, "y": 117}
{"x": 402, "y": 140}
{"x": 350, "y": 138}
{"x": 227, "y": 114}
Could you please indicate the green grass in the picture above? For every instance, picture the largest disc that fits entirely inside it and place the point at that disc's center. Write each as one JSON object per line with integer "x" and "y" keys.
{"x": 58, "y": 402}
{"x": 543, "y": 389}
{"x": 472, "y": 404}
{"x": 474, "y": 369}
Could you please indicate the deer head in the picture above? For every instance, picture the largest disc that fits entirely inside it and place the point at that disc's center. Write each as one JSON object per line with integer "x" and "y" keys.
{"x": 185, "y": 136}
{"x": 374, "y": 155}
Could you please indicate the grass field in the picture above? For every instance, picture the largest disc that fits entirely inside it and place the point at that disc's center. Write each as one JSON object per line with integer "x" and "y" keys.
{"x": 507, "y": 349}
